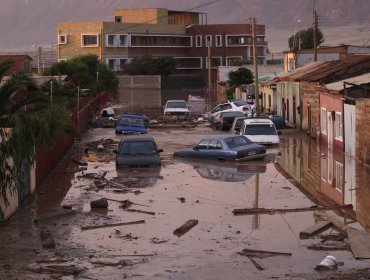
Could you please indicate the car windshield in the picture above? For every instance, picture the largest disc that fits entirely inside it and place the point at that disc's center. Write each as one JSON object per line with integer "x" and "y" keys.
{"x": 232, "y": 114}
{"x": 260, "y": 129}
{"x": 176, "y": 104}
{"x": 127, "y": 121}
{"x": 139, "y": 147}
{"x": 239, "y": 103}
{"x": 237, "y": 141}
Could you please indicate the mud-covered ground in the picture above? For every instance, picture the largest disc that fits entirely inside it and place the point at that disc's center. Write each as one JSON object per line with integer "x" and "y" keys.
{"x": 158, "y": 202}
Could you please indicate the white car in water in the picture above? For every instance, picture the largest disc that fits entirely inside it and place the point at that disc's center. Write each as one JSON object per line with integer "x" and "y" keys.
{"x": 230, "y": 105}
{"x": 177, "y": 108}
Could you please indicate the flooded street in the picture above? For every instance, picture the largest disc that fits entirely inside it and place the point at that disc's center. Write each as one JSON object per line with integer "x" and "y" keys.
{"x": 298, "y": 174}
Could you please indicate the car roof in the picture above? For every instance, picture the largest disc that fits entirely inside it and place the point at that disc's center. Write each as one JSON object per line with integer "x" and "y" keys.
{"x": 133, "y": 116}
{"x": 222, "y": 137}
{"x": 258, "y": 121}
{"x": 132, "y": 138}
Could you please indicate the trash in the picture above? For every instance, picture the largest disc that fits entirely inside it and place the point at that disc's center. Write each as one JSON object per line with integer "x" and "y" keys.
{"x": 329, "y": 263}
{"x": 99, "y": 203}
{"x": 185, "y": 227}
{"x": 47, "y": 239}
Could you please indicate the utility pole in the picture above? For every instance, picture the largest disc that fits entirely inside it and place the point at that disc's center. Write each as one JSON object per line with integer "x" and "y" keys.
{"x": 255, "y": 68}
{"x": 314, "y": 33}
{"x": 39, "y": 61}
{"x": 209, "y": 75}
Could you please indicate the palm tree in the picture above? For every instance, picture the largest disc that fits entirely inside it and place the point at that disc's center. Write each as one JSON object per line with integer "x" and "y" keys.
{"x": 10, "y": 87}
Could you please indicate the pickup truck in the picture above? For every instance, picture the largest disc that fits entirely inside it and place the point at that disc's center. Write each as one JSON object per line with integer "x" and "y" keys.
{"x": 177, "y": 108}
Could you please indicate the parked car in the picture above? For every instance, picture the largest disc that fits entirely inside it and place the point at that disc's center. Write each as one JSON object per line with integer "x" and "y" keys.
{"x": 225, "y": 120}
{"x": 224, "y": 147}
{"x": 278, "y": 121}
{"x": 230, "y": 105}
{"x": 131, "y": 124}
{"x": 176, "y": 108}
{"x": 137, "y": 151}
{"x": 260, "y": 130}
{"x": 237, "y": 124}
{"x": 197, "y": 105}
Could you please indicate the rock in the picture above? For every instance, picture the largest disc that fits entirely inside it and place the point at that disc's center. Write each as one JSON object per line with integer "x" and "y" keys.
{"x": 99, "y": 203}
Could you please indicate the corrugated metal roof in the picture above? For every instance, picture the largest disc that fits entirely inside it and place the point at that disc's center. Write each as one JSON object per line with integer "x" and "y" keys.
{"x": 296, "y": 74}
{"x": 358, "y": 80}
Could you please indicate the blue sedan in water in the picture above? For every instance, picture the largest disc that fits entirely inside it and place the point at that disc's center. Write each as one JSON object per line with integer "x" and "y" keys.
{"x": 131, "y": 124}
{"x": 224, "y": 147}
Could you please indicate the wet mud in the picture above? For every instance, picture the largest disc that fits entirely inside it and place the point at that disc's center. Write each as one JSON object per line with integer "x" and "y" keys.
{"x": 134, "y": 236}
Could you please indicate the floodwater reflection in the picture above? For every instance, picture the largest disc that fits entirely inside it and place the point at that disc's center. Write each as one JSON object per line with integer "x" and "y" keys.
{"x": 327, "y": 176}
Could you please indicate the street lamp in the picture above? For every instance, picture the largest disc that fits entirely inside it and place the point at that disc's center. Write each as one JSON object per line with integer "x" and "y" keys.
{"x": 299, "y": 38}
{"x": 209, "y": 60}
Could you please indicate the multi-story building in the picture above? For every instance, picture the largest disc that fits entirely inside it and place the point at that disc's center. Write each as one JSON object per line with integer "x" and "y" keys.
{"x": 184, "y": 35}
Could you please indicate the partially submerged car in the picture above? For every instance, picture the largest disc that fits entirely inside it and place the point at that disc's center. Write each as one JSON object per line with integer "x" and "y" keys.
{"x": 131, "y": 124}
{"x": 230, "y": 105}
{"x": 224, "y": 147}
{"x": 260, "y": 130}
{"x": 137, "y": 151}
{"x": 225, "y": 120}
{"x": 237, "y": 124}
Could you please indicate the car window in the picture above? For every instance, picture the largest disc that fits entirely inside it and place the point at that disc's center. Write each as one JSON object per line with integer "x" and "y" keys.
{"x": 127, "y": 121}
{"x": 215, "y": 144}
{"x": 226, "y": 107}
{"x": 216, "y": 109}
{"x": 237, "y": 141}
{"x": 139, "y": 147}
{"x": 260, "y": 129}
{"x": 176, "y": 104}
{"x": 239, "y": 103}
{"x": 202, "y": 145}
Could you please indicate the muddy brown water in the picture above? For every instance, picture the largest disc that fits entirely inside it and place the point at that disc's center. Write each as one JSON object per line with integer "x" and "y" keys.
{"x": 179, "y": 191}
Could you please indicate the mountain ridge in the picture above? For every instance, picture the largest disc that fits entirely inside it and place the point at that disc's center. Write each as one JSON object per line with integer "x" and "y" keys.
{"x": 27, "y": 23}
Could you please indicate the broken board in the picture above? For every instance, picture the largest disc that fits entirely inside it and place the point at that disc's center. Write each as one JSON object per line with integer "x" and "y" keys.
{"x": 360, "y": 243}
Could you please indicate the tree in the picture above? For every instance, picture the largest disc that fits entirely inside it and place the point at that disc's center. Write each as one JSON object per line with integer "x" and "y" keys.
{"x": 87, "y": 72}
{"x": 242, "y": 76}
{"x": 305, "y": 36}
{"x": 147, "y": 65}
{"x": 25, "y": 122}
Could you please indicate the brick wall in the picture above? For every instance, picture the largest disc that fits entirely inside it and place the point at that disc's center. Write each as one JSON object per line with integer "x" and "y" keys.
{"x": 362, "y": 131}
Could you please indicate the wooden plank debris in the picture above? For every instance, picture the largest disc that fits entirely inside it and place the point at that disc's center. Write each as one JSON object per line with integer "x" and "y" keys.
{"x": 140, "y": 211}
{"x": 252, "y": 211}
{"x": 338, "y": 225}
{"x": 329, "y": 247}
{"x": 261, "y": 254}
{"x": 256, "y": 264}
{"x": 360, "y": 243}
{"x": 75, "y": 170}
{"x": 185, "y": 227}
{"x": 315, "y": 229}
{"x": 113, "y": 225}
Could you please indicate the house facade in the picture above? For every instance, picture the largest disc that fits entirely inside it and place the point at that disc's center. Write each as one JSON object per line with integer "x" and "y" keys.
{"x": 22, "y": 63}
{"x": 160, "y": 32}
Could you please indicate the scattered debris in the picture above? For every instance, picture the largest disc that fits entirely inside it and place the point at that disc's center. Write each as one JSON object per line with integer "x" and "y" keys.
{"x": 156, "y": 240}
{"x": 185, "y": 227}
{"x": 182, "y": 199}
{"x": 256, "y": 264}
{"x": 141, "y": 211}
{"x": 59, "y": 269}
{"x": 329, "y": 247}
{"x": 75, "y": 170}
{"x": 100, "y": 184}
{"x": 250, "y": 211}
{"x": 329, "y": 263}
{"x": 47, "y": 239}
{"x": 113, "y": 225}
{"x": 261, "y": 254}
{"x": 56, "y": 216}
{"x": 315, "y": 229}
{"x": 99, "y": 203}
{"x": 338, "y": 225}
{"x": 80, "y": 162}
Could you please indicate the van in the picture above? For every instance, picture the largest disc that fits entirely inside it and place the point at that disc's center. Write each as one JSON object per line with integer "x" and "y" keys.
{"x": 260, "y": 130}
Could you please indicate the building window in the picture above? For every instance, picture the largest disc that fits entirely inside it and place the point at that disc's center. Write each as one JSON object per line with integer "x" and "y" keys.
{"x": 216, "y": 61}
{"x": 62, "y": 60}
{"x": 118, "y": 19}
{"x": 238, "y": 40}
{"x": 208, "y": 40}
{"x": 198, "y": 41}
{"x": 324, "y": 168}
{"x": 112, "y": 64}
{"x": 122, "y": 40}
{"x": 233, "y": 60}
{"x": 323, "y": 121}
{"x": 123, "y": 62}
{"x": 90, "y": 40}
{"x": 26, "y": 67}
{"x": 339, "y": 176}
{"x": 62, "y": 39}
{"x": 338, "y": 126}
{"x": 218, "y": 41}
{"x": 188, "y": 62}
{"x": 291, "y": 64}
{"x": 111, "y": 40}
